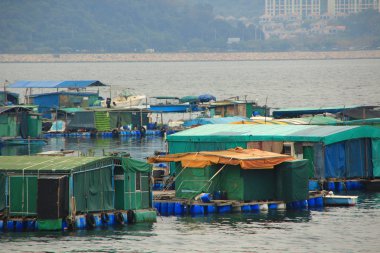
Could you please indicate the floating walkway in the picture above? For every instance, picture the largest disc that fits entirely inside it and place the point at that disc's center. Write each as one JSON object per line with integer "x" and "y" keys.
{"x": 167, "y": 205}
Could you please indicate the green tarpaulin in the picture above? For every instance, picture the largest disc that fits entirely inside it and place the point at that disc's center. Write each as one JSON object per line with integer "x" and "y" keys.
{"x": 292, "y": 181}
{"x": 23, "y": 195}
{"x": 135, "y": 165}
{"x": 376, "y": 157}
{"x": 2, "y": 190}
{"x": 50, "y": 225}
{"x": 93, "y": 190}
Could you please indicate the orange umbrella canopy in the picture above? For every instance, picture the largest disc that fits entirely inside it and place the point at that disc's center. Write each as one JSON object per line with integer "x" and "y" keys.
{"x": 246, "y": 158}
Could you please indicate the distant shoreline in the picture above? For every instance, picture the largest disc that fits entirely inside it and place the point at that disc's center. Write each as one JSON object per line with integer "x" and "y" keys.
{"x": 187, "y": 57}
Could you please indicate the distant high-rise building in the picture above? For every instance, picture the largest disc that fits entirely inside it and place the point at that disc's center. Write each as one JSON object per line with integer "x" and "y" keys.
{"x": 316, "y": 8}
{"x": 344, "y": 7}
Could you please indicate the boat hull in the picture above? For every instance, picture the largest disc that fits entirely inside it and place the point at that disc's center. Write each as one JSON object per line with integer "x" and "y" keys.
{"x": 335, "y": 200}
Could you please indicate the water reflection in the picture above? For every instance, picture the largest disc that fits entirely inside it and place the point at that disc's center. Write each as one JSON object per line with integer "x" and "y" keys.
{"x": 139, "y": 148}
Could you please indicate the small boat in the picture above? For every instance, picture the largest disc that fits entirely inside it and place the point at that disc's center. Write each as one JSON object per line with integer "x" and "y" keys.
{"x": 125, "y": 100}
{"x": 168, "y": 104}
{"x": 339, "y": 200}
{"x": 21, "y": 141}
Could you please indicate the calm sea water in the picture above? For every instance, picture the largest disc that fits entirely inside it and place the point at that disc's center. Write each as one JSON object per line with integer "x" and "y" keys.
{"x": 282, "y": 84}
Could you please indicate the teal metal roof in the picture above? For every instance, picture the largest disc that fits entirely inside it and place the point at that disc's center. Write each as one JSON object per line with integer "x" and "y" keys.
{"x": 305, "y": 133}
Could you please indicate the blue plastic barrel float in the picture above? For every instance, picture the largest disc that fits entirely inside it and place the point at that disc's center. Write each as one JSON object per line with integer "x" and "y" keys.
{"x": 330, "y": 186}
{"x": 211, "y": 209}
{"x": 311, "y": 202}
{"x": 157, "y": 205}
{"x": 164, "y": 208}
{"x": 319, "y": 202}
{"x": 217, "y": 195}
{"x": 225, "y": 209}
{"x": 206, "y": 197}
{"x": 246, "y": 208}
{"x": 179, "y": 209}
{"x": 303, "y": 203}
{"x": 171, "y": 207}
{"x": 111, "y": 220}
{"x": 339, "y": 186}
{"x": 255, "y": 208}
{"x": 197, "y": 209}
{"x": 19, "y": 225}
{"x": 80, "y": 222}
{"x": 272, "y": 206}
{"x": 296, "y": 205}
{"x": 350, "y": 185}
{"x": 10, "y": 225}
{"x": 1, "y": 225}
{"x": 98, "y": 220}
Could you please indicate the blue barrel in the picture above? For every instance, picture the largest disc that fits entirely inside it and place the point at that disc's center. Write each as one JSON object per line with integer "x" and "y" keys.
{"x": 272, "y": 206}
{"x": 197, "y": 209}
{"x": 171, "y": 208}
{"x": 350, "y": 185}
{"x": 296, "y": 204}
{"x": 80, "y": 222}
{"x": 206, "y": 197}
{"x": 246, "y": 208}
{"x": 157, "y": 205}
{"x": 255, "y": 208}
{"x": 211, "y": 209}
{"x": 313, "y": 185}
{"x": 111, "y": 220}
{"x": 303, "y": 203}
{"x": 218, "y": 195}
{"x": 225, "y": 209}
{"x": 339, "y": 186}
{"x": 19, "y": 225}
{"x": 359, "y": 185}
{"x": 1, "y": 225}
{"x": 64, "y": 225}
{"x": 164, "y": 208}
{"x": 319, "y": 202}
{"x": 311, "y": 202}
{"x": 178, "y": 209}
{"x": 98, "y": 221}
{"x": 125, "y": 217}
{"x": 289, "y": 205}
{"x": 330, "y": 186}
{"x": 10, "y": 225}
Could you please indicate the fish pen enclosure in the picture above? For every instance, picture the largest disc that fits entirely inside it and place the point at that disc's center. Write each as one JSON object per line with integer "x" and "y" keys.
{"x": 76, "y": 192}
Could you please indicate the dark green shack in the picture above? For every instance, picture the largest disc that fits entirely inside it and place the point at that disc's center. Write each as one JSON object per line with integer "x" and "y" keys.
{"x": 52, "y": 189}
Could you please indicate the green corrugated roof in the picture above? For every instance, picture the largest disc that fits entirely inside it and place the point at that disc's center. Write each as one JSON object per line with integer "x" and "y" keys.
{"x": 48, "y": 164}
{"x": 309, "y": 133}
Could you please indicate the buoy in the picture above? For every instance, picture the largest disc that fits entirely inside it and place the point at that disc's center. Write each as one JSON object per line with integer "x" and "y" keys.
{"x": 157, "y": 205}
{"x": 311, "y": 202}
